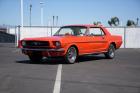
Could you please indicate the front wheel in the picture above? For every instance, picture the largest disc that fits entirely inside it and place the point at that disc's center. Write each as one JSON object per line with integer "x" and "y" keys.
{"x": 71, "y": 55}
{"x": 111, "y": 52}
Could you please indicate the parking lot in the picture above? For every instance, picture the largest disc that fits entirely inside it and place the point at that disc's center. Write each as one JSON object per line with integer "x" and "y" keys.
{"x": 91, "y": 74}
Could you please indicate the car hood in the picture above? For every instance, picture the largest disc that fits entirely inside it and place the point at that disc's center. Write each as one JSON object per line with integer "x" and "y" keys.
{"x": 52, "y": 38}
{"x": 62, "y": 39}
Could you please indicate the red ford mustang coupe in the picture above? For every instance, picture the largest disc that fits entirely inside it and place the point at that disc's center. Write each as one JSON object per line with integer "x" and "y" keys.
{"x": 72, "y": 41}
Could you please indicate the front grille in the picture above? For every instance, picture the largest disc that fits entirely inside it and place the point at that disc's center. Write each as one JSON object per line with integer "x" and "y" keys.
{"x": 36, "y": 44}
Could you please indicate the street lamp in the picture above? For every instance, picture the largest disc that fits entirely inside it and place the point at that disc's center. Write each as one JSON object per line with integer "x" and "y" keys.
{"x": 41, "y": 13}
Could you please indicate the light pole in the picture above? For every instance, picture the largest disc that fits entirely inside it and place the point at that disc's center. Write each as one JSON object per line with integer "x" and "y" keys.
{"x": 41, "y": 12}
{"x": 53, "y": 20}
{"x": 21, "y": 12}
{"x": 56, "y": 20}
{"x": 137, "y": 21}
{"x": 30, "y": 14}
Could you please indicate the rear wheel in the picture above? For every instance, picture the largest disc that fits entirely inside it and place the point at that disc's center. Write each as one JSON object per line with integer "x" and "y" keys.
{"x": 71, "y": 55}
{"x": 111, "y": 52}
{"x": 35, "y": 58}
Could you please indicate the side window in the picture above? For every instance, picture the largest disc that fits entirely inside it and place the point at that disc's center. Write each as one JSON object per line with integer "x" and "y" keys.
{"x": 82, "y": 31}
{"x": 66, "y": 31}
{"x": 96, "y": 32}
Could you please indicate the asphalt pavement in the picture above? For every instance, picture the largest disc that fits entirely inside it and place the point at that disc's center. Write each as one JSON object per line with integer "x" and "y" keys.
{"x": 91, "y": 74}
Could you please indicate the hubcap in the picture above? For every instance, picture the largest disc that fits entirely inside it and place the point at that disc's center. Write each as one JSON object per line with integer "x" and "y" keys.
{"x": 72, "y": 55}
{"x": 111, "y": 53}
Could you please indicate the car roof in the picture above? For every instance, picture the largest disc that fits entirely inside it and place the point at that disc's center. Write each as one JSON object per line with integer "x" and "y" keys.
{"x": 84, "y": 25}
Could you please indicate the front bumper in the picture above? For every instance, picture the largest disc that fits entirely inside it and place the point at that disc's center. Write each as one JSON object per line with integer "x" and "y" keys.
{"x": 49, "y": 50}
{"x": 44, "y": 52}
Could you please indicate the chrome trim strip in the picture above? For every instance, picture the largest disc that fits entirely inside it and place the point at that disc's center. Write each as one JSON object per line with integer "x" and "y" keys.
{"x": 94, "y": 53}
{"x": 58, "y": 50}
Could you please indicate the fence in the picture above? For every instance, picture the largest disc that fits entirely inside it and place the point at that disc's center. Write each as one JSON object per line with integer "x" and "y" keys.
{"x": 130, "y": 35}
{"x": 6, "y": 36}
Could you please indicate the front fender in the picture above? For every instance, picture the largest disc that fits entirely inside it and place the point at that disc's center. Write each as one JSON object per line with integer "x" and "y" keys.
{"x": 68, "y": 45}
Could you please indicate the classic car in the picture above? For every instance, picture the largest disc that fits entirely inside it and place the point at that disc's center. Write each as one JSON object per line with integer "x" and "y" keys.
{"x": 72, "y": 41}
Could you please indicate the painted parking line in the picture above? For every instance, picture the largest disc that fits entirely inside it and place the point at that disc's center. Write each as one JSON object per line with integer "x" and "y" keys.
{"x": 57, "y": 84}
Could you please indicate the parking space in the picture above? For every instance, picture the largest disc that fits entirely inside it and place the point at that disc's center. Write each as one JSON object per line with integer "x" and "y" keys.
{"x": 99, "y": 75}
{"x": 18, "y": 76}
{"x": 92, "y": 74}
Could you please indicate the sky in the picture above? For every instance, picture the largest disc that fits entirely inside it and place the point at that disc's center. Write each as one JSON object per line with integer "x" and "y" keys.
{"x": 69, "y": 11}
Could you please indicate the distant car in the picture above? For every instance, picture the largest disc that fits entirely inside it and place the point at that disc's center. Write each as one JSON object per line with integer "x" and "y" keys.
{"x": 72, "y": 41}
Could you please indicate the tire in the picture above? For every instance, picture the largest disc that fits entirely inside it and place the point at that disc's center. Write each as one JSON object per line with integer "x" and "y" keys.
{"x": 110, "y": 54}
{"x": 35, "y": 58}
{"x": 71, "y": 55}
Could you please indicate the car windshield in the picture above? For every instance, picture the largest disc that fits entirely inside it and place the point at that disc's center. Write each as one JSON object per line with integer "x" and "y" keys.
{"x": 71, "y": 30}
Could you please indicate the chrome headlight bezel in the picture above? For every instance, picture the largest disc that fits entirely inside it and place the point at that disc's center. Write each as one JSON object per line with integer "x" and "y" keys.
{"x": 23, "y": 43}
{"x": 57, "y": 44}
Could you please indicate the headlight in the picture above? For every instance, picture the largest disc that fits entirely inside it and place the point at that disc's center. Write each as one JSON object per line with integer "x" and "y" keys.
{"x": 23, "y": 43}
{"x": 57, "y": 43}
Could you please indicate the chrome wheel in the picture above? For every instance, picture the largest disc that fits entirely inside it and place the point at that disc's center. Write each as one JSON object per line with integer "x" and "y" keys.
{"x": 71, "y": 55}
{"x": 111, "y": 52}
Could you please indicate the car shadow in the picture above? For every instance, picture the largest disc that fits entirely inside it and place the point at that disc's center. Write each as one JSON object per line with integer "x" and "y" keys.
{"x": 47, "y": 61}
{"x": 90, "y": 58}
{"x": 56, "y": 61}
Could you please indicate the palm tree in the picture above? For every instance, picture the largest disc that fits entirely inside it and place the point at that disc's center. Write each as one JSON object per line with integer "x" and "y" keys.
{"x": 97, "y": 23}
{"x": 110, "y": 23}
{"x": 114, "y": 21}
{"x": 131, "y": 23}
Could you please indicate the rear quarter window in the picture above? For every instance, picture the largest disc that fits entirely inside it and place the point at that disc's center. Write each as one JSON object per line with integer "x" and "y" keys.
{"x": 96, "y": 32}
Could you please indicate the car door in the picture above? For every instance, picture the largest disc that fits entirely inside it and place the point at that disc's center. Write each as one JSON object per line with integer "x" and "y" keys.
{"x": 83, "y": 41}
{"x": 98, "y": 39}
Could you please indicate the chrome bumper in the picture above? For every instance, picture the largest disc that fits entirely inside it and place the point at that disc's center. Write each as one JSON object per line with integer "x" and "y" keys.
{"x": 57, "y": 50}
